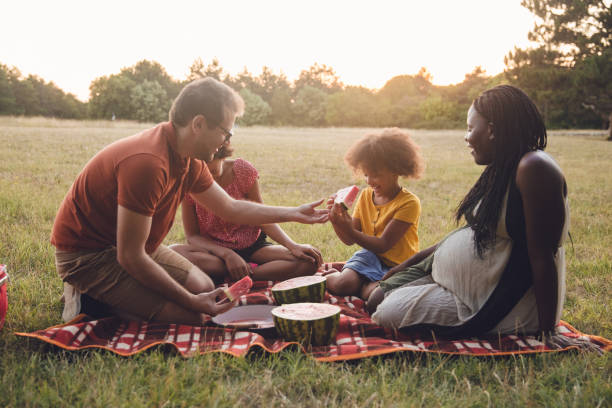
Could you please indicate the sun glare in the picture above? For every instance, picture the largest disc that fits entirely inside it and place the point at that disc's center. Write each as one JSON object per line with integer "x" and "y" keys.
{"x": 366, "y": 43}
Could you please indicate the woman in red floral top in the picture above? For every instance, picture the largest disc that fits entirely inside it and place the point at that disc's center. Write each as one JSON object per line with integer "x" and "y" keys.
{"x": 221, "y": 248}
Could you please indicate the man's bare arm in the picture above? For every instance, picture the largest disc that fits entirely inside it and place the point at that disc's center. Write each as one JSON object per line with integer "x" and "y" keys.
{"x": 247, "y": 212}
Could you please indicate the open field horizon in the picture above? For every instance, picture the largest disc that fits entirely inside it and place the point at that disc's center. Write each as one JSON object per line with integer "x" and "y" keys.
{"x": 41, "y": 157}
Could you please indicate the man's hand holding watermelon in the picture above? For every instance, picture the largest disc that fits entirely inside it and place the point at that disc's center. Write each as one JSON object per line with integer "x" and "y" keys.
{"x": 207, "y": 303}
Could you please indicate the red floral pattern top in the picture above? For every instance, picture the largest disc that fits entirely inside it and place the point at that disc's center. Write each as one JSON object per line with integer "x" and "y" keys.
{"x": 222, "y": 232}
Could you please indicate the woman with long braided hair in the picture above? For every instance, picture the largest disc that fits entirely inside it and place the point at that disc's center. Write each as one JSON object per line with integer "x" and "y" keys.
{"x": 504, "y": 271}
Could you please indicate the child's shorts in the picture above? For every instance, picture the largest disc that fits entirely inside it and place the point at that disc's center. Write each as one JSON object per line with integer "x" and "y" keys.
{"x": 247, "y": 253}
{"x": 367, "y": 264}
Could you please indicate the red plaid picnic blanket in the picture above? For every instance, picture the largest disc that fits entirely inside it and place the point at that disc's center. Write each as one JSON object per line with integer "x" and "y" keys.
{"x": 357, "y": 336}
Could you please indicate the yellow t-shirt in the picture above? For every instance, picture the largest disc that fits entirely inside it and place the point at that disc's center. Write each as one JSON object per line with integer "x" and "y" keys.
{"x": 374, "y": 218}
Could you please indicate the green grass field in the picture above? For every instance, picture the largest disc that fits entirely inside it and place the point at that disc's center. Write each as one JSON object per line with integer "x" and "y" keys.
{"x": 41, "y": 157}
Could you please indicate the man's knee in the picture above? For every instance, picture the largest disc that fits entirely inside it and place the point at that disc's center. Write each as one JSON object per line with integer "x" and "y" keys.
{"x": 198, "y": 282}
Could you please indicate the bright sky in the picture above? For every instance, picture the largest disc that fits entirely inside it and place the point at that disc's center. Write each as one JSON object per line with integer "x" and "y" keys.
{"x": 72, "y": 42}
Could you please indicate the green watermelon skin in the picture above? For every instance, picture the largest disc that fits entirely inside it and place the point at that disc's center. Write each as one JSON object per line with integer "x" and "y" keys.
{"x": 316, "y": 332}
{"x": 314, "y": 293}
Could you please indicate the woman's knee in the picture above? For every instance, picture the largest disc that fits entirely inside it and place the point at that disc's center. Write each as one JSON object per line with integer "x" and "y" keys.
{"x": 388, "y": 313}
{"x": 384, "y": 316}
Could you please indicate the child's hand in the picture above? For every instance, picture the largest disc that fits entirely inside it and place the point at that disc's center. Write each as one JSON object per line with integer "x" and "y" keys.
{"x": 307, "y": 252}
{"x": 339, "y": 216}
{"x": 330, "y": 201}
{"x": 237, "y": 267}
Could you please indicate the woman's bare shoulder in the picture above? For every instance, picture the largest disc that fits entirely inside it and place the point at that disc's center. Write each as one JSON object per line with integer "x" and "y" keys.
{"x": 538, "y": 169}
{"x": 538, "y": 161}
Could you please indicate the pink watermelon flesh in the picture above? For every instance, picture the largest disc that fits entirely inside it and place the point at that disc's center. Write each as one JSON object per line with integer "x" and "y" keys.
{"x": 239, "y": 288}
{"x": 347, "y": 195}
{"x": 305, "y": 311}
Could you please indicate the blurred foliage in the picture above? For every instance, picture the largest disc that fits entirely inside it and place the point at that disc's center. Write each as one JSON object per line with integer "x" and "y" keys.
{"x": 256, "y": 110}
{"x": 32, "y": 96}
{"x": 569, "y": 71}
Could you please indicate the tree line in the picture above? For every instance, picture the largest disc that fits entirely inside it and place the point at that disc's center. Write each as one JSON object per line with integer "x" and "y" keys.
{"x": 568, "y": 74}
{"x": 33, "y": 96}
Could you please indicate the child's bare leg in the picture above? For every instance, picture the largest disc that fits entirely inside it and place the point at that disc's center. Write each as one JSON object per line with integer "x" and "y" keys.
{"x": 376, "y": 296}
{"x": 277, "y": 263}
{"x": 345, "y": 283}
{"x": 207, "y": 262}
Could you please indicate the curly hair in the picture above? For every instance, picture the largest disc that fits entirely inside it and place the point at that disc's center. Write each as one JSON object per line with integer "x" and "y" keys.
{"x": 518, "y": 128}
{"x": 391, "y": 149}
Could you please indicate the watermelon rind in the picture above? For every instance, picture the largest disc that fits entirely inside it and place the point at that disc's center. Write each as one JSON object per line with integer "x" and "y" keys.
{"x": 307, "y": 289}
{"x": 314, "y": 331}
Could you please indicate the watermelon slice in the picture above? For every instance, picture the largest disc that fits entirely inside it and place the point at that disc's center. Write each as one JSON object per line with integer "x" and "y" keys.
{"x": 300, "y": 289}
{"x": 308, "y": 323}
{"x": 239, "y": 288}
{"x": 346, "y": 196}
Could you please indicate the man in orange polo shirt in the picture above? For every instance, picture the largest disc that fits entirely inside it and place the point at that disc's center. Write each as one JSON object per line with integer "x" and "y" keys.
{"x": 109, "y": 228}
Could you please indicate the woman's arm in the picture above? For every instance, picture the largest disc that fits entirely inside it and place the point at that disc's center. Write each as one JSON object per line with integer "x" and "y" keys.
{"x": 542, "y": 187}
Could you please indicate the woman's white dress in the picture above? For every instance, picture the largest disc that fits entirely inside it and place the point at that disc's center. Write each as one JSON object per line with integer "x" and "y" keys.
{"x": 461, "y": 283}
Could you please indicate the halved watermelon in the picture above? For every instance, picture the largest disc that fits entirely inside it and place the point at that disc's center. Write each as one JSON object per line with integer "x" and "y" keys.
{"x": 308, "y": 323}
{"x": 346, "y": 196}
{"x": 239, "y": 288}
{"x": 300, "y": 289}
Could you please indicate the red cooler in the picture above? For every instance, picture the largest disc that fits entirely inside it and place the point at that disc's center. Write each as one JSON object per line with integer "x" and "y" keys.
{"x": 3, "y": 298}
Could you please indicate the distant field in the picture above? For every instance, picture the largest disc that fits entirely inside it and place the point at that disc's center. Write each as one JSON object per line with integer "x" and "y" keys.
{"x": 41, "y": 157}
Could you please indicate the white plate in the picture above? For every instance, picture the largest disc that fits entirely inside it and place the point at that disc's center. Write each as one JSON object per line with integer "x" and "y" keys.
{"x": 249, "y": 316}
